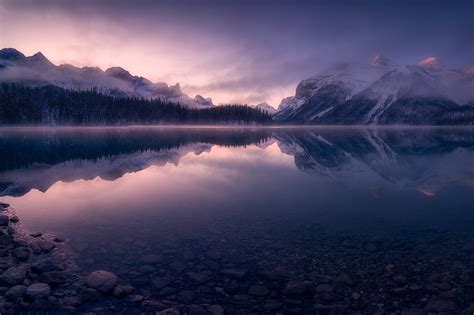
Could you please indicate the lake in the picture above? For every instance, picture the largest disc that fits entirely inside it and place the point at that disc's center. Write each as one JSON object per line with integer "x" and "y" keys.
{"x": 255, "y": 220}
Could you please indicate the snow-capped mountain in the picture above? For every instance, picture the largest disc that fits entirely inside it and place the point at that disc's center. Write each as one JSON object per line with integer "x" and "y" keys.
{"x": 383, "y": 92}
{"x": 116, "y": 81}
{"x": 266, "y": 108}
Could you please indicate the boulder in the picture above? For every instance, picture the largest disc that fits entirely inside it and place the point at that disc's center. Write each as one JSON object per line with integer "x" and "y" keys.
{"x": 38, "y": 291}
{"x": 102, "y": 281}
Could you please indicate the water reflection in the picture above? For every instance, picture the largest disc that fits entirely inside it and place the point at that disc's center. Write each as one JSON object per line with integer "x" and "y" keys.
{"x": 312, "y": 215}
{"x": 38, "y": 158}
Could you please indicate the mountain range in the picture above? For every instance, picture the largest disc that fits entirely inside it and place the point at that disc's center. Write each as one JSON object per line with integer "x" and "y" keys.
{"x": 383, "y": 92}
{"x": 37, "y": 70}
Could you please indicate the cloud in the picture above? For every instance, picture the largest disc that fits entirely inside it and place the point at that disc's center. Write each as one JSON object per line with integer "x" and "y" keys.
{"x": 236, "y": 50}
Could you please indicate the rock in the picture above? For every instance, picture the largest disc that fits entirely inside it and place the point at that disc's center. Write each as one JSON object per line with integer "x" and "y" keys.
{"x": 4, "y": 220}
{"x": 324, "y": 288}
{"x": 212, "y": 254}
{"x": 234, "y": 273}
{"x": 4, "y": 205}
{"x": 53, "y": 277}
{"x": 166, "y": 291}
{"x": 278, "y": 273}
{"x": 46, "y": 246}
{"x": 161, "y": 282}
{"x": 37, "y": 234}
{"x": 72, "y": 300}
{"x": 44, "y": 265}
{"x": 122, "y": 290}
{"x": 438, "y": 306}
{"x": 11, "y": 230}
{"x": 178, "y": 266}
{"x": 412, "y": 311}
{"x": 14, "y": 219}
{"x": 15, "y": 293}
{"x": 89, "y": 295}
{"x": 102, "y": 281}
{"x": 186, "y": 296}
{"x": 296, "y": 288}
{"x": 198, "y": 277}
{"x": 343, "y": 280}
{"x": 20, "y": 243}
{"x": 216, "y": 310}
{"x": 15, "y": 275}
{"x": 258, "y": 290}
{"x": 355, "y": 296}
{"x": 469, "y": 310}
{"x": 59, "y": 239}
{"x": 38, "y": 291}
{"x": 21, "y": 253}
{"x": 151, "y": 259}
{"x": 169, "y": 311}
{"x": 272, "y": 305}
{"x": 401, "y": 280}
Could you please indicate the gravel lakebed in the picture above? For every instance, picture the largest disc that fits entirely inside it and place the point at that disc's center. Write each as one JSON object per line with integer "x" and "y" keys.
{"x": 236, "y": 270}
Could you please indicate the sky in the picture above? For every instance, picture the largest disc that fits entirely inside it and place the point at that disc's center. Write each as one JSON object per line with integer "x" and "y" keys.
{"x": 238, "y": 51}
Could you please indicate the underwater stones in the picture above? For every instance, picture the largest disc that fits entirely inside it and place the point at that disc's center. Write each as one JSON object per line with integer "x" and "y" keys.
{"x": 102, "y": 281}
{"x": 4, "y": 220}
{"x": 258, "y": 290}
{"x": 234, "y": 273}
{"x": 36, "y": 235}
{"x": 151, "y": 259}
{"x": 122, "y": 290}
{"x": 38, "y": 291}
{"x": 15, "y": 275}
{"x": 53, "y": 277}
{"x": 15, "y": 293}
{"x": 21, "y": 253}
{"x": 14, "y": 219}
{"x": 161, "y": 282}
{"x": 198, "y": 277}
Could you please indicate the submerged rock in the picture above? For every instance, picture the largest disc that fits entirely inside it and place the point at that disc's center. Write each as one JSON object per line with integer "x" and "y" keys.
{"x": 15, "y": 293}
{"x": 102, "y": 281}
{"x": 38, "y": 291}
{"x": 15, "y": 275}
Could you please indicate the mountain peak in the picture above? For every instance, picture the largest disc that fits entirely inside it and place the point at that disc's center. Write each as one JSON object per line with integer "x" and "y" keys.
{"x": 431, "y": 63}
{"x": 11, "y": 54}
{"x": 380, "y": 60}
{"x": 39, "y": 59}
{"x": 118, "y": 72}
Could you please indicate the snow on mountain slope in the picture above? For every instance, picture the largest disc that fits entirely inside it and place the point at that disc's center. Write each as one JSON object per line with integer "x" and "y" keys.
{"x": 362, "y": 94}
{"x": 266, "y": 108}
{"x": 115, "y": 81}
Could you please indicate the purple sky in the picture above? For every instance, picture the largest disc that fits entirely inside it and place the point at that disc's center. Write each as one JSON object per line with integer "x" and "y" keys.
{"x": 237, "y": 51}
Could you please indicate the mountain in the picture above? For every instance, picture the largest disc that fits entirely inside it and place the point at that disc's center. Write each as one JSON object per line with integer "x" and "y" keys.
{"x": 383, "y": 92}
{"x": 37, "y": 70}
{"x": 266, "y": 108}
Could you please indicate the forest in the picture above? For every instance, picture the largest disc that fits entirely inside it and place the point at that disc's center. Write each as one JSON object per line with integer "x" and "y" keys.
{"x": 51, "y": 105}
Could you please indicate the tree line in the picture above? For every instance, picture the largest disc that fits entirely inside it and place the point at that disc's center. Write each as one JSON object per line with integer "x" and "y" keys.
{"x": 51, "y": 105}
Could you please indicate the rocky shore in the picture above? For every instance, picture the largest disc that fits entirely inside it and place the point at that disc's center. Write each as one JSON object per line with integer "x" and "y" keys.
{"x": 235, "y": 270}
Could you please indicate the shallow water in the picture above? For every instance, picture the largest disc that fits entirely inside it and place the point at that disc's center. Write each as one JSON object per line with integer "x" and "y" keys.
{"x": 317, "y": 204}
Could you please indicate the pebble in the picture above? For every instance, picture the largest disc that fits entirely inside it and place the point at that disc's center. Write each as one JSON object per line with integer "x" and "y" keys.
{"x": 234, "y": 273}
{"x": 15, "y": 275}
{"x": 4, "y": 220}
{"x": 198, "y": 277}
{"x": 102, "y": 281}
{"x": 15, "y": 293}
{"x": 258, "y": 290}
{"x": 38, "y": 291}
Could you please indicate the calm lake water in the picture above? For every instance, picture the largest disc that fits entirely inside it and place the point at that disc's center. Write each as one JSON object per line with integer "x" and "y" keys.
{"x": 307, "y": 219}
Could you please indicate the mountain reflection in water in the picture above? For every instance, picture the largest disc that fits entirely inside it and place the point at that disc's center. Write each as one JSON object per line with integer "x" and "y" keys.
{"x": 308, "y": 217}
{"x": 420, "y": 158}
